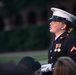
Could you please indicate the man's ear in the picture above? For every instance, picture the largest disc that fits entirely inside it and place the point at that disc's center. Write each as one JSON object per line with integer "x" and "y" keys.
{"x": 64, "y": 26}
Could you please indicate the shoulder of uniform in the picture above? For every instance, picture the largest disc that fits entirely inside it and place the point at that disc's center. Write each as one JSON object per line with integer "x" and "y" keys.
{"x": 69, "y": 36}
{"x": 65, "y": 36}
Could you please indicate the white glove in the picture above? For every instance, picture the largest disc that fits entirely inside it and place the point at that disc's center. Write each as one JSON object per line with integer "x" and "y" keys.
{"x": 46, "y": 68}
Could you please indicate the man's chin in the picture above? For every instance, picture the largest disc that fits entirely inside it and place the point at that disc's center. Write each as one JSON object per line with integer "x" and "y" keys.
{"x": 51, "y": 31}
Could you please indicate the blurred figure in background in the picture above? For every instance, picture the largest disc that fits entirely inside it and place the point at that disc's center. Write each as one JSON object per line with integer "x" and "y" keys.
{"x": 30, "y": 65}
{"x": 10, "y": 68}
{"x": 64, "y": 66}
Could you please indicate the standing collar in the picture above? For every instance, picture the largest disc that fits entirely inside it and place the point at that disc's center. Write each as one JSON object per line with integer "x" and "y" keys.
{"x": 60, "y": 35}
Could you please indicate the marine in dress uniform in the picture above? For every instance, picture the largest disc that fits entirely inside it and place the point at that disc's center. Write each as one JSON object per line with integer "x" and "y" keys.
{"x": 64, "y": 43}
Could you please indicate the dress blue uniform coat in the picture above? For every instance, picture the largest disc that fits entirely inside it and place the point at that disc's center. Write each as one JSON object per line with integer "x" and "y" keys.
{"x": 64, "y": 45}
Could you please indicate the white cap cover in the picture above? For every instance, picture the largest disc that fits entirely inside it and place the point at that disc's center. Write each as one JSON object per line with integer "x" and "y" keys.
{"x": 62, "y": 14}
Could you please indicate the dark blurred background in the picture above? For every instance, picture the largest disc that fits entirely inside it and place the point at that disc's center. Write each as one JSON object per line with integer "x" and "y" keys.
{"x": 24, "y": 23}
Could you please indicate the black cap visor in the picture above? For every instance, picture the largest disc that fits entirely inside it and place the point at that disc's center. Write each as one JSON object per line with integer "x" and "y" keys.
{"x": 56, "y": 18}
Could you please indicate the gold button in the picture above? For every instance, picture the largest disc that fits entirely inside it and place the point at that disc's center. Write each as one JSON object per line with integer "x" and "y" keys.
{"x": 50, "y": 51}
{"x": 51, "y": 57}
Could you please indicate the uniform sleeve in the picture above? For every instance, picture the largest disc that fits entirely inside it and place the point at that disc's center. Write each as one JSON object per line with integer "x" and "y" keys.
{"x": 71, "y": 48}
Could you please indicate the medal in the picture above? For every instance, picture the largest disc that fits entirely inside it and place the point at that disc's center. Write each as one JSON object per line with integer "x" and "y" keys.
{"x": 59, "y": 50}
{"x": 57, "y": 47}
{"x": 55, "y": 50}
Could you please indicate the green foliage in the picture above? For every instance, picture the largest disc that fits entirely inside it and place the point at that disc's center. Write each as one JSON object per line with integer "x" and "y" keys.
{"x": 38, "y": 37}
{"x": 13, "y": 6}
{"x": 29, "y": 38}
{"x": 41, "y": 2}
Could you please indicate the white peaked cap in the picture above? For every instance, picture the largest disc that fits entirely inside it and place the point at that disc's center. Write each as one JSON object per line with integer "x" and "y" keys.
{"x": 63, "y": 14}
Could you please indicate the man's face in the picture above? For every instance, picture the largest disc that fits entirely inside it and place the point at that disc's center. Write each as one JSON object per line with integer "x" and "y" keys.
{"x": 56, "y": 26}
